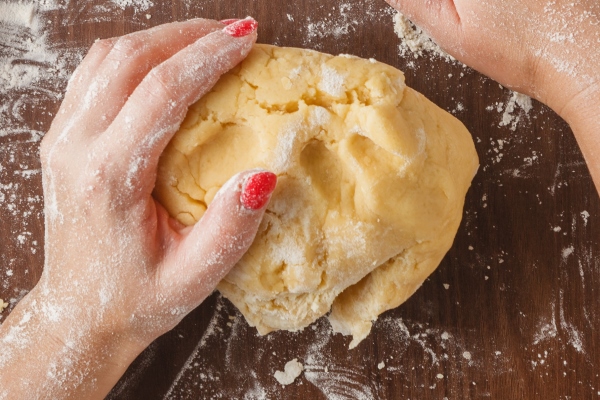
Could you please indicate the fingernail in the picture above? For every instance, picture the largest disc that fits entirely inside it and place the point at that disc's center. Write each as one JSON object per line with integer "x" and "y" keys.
{"x": 257, "y": 190}
{"x": 241, "y": 28}
{"x": 229, "y": 21}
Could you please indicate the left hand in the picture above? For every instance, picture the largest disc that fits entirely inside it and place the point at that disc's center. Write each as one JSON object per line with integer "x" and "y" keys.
{"x": 119, "y": 272}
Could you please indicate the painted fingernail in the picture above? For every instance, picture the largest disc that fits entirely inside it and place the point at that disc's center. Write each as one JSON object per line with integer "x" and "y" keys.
{"x": 258, "y": 189}
{"x": 240, "y": 28}
{"x": 229, "y": 21}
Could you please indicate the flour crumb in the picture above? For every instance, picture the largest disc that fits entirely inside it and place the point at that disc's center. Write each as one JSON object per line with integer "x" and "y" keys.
{"x": 446, "y": 286}
{"x": 381, "y": 365}
{"x": 510, "y": 115}
{"x": 3, "y": 305}
{"x": 566, "y": 252}
{"x": 585, "y": 215}
{"x": 416, "y": 42}
{"x": 291, "y": 371}
{"x": 466, "y": 355}
{"x": 440, "y": 376}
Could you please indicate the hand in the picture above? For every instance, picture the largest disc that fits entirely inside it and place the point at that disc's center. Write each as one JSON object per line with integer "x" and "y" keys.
{"x": 119, "y": 272}
{"x": 546, "y": 49}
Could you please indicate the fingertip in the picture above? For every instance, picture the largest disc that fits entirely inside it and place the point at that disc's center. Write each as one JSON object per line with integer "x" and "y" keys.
{"x": 251, "y": 189}
{"x": 241, "y": 28}
{"x": 257, "y": 189}
{"x": 225, "y": 232}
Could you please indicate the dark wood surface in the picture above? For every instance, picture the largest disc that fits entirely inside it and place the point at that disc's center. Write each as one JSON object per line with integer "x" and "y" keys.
{"x": 511, "y": 312}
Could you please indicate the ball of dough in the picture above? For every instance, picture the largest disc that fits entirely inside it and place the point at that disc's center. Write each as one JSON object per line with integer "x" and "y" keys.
{"x": 372, "y": 181}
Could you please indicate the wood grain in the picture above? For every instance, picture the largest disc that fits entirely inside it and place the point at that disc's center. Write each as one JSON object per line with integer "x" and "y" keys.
{"x": 510, "y": 313}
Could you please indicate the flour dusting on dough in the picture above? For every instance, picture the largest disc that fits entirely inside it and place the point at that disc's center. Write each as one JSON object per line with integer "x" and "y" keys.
{"x": 331, "y": 81}
{"x": 348, "y": 222}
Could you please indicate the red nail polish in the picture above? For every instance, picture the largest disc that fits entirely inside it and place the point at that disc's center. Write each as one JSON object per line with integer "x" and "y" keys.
{"x": 257, "y": 190}
{"x": 241, "y": 28}
{"x": 229, "y": 21}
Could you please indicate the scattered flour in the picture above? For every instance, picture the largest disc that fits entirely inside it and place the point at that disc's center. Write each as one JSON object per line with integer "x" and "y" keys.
{"x": 139, "y": 5}
{"x": 545, "y": 331}
{"x": 566, "y": 252}
{"x": 516, "y": 107}
{"x": 17, "y": 13}
{"x": 509, "y": 117}
{"x": 415, "y": 42}
{"x": 585, "y": 215}
{"x": 291, "y": 371}
{"x": 342, "y": 20}
{"x": 33, "y": 72}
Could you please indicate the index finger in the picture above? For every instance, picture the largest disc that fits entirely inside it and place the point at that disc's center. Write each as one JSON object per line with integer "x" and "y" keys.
{"x": 158, "y": 105}
{"x": 114, "y": 67}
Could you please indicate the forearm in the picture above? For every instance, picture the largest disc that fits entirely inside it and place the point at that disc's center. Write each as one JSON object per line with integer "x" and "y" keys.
{"x": 37, "y": 360}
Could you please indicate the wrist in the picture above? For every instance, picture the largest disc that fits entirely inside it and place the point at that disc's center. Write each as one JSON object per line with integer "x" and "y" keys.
{"x": 72, "y": 359}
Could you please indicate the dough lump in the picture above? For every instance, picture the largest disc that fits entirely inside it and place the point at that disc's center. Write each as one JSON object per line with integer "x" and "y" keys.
{"x": 372, "y": 181}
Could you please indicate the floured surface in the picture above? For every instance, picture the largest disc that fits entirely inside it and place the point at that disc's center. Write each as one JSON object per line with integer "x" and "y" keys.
{"x": 372, "y": 178}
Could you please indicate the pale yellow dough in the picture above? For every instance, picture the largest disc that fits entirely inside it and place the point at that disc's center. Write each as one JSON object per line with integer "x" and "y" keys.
{"x": 372, "y": 181}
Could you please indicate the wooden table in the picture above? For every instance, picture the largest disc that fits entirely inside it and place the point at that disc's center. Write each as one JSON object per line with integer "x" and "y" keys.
{"x": 510, "y": 313}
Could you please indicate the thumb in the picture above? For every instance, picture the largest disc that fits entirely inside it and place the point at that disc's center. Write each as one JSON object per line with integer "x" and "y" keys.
{"x": 440, "y": 19}
{"x": 216, "y": 243}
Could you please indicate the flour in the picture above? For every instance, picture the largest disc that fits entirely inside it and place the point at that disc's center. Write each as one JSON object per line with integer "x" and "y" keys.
{"x": 139, "y": 5}
{"x": 344, "y": 26}
{"x": 545, "y": 331}
{"x": 415, "y": 42}
{"x": 33, "y": 74}
{"x": 513, "y": 111}
{"x": 331, "y": 82}
{"x": 517, "y": 100}
{"x": 291, "y": 371}
{"x": 566, "y": 252}
{"x": 17, "y": 13}
{"x": 585, "y": 215}
{"x": 32, "y": 71}
{"x": 341, "y": 21}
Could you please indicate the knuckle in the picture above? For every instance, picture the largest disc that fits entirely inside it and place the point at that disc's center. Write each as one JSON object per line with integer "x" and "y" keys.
{"x": 157, "y": 85}
{"x": 97, "y": 181}
{"x": 102, "y": 45}
{"x": 125, "y": 47}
